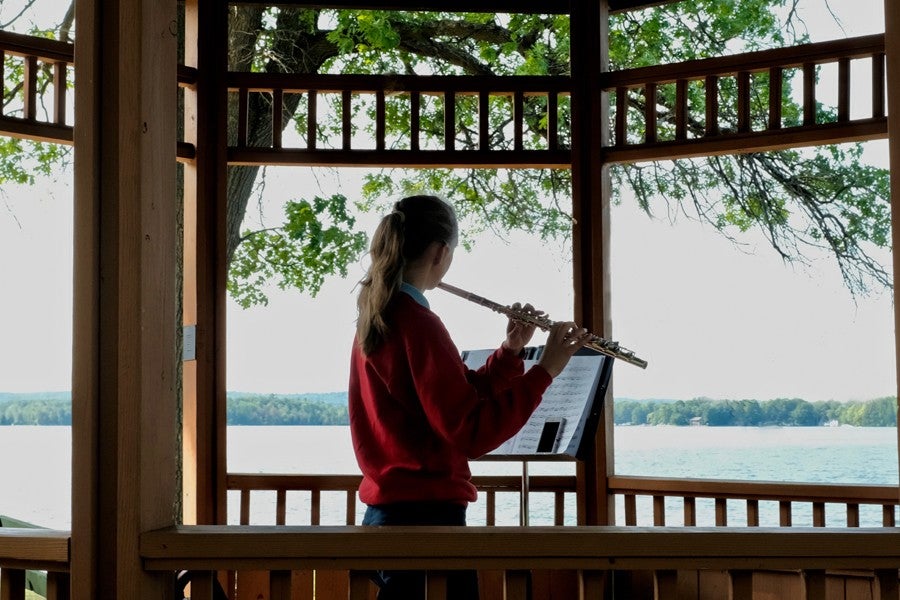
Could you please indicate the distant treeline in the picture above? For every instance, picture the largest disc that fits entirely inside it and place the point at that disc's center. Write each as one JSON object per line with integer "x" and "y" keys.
{"x": 242, "y": 409}
{"x": 331, "y": 409}
{"x": 273, "y": 409}
{"x": 881, "y": 412}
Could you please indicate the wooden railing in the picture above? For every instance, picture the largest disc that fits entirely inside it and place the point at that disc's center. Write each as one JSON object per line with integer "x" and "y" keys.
{"x": 24, "y": 550}
{"x": 32, "y": 65}
{"x": 846, "y": 500}
{"x": 587, "y": 553}
{"x": 795, "y": 503}
{"x": 504, "y": 132}
{"x": 756, "y": 122}
{"x": 519, "y": 121}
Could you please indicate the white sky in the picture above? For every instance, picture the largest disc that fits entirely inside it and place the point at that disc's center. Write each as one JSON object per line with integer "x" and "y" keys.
{"x": 711, "y": 320}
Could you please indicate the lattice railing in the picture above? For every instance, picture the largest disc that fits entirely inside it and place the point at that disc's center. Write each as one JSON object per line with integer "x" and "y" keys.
{"x": 672, "y": 111}
{"x": 36, "y": 74}
{"x": 447, "y": 121}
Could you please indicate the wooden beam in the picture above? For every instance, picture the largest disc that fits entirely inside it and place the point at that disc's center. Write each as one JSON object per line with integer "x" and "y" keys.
{"x": 892, "y": 68}
{"x": 590, "y": 234}
{"x": 759, "y": 141}
{"x": 495, "y": 6}
{"x": 124, "y": 362}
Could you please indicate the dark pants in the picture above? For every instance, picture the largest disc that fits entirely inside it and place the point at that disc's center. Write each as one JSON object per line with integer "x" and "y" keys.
{"x": 410, "y": 585}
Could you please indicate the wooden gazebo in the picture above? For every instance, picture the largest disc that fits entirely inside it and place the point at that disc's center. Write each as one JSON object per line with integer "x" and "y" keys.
{"x": 128, "y": 451}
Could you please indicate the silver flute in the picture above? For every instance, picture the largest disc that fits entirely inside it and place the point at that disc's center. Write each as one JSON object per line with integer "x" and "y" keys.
{"x": 594, "y": 342}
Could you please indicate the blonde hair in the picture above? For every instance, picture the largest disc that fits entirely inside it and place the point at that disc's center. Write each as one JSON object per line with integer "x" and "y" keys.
{"x": 402, "y": 236}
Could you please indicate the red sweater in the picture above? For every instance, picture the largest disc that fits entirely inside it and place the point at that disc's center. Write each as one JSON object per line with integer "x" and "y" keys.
{"x": 417, "y": 414}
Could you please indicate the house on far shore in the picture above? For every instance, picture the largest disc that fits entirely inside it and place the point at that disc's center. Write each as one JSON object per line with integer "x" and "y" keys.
{"x": 696, "y": 421}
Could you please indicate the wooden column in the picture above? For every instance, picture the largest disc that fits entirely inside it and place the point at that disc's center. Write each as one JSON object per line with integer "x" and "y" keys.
{"x": 892, "y": 54}
{"x": 124, "y": 342}
{"x": 590, "y": 205}
{"x": 205, "y": 266}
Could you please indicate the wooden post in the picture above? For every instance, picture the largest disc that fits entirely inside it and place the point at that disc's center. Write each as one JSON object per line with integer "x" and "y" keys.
{"x": 205, "y": 263}
{"x": 125, "y": 304}
{"x": 590, "y": 236}
{"x": 892, "y": 67}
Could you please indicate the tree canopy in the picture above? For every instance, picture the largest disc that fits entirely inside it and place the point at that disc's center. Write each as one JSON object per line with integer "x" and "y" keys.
{"x": 801, "y": 200}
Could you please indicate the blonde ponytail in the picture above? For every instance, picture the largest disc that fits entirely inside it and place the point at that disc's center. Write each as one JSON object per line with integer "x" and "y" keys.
{"x": 401, "y": 236}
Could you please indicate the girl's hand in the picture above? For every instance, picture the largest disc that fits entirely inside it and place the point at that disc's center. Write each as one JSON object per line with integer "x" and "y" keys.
{"x": 518, "y": 334}
{"x": 564, "y": 340}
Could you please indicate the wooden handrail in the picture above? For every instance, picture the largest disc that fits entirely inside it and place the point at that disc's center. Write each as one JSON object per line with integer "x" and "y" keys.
{"x": 27, "y": 548}
{"x": 755, "y": 490}
{"x": 277, "y": 548}
{"x": 758, "y": 61}
{"x": 42, "y": 48}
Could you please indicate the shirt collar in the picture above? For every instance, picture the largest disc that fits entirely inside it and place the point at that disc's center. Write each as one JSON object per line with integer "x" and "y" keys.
{"x": 415, "y": 294}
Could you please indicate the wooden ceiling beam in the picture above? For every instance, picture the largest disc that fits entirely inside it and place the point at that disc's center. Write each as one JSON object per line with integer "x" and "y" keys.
{"x": 498, "y": 6}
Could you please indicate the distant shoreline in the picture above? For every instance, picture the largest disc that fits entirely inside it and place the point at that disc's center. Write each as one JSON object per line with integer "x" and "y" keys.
{"x": 330, "y": 408}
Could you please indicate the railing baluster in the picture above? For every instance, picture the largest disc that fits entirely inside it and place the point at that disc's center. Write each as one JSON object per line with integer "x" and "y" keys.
{"x": 518, "y": 120}
{"x": 280, "y": 585}
{"x": 741, "y": 585}
{"x": 30, "y": 87}
{"x": 690, "y": 511}
{"x": 277, "y": 117}
{"x": 775, "y": 86}
{"x": 351, "y": 508}
{"x": 630, "y": 509}
{"x": 380, "y": 121}
{"x": 553, "y": 120}
{"x": 665, "y": 584}
{"x": 449, "y": 120}
{"x": 59, "y": 92}
{"x": 280, "y": 506}
{"x": 12, "y": 584}
{"x": 559, "y": 508}
{"x": 491, "y": 508}
{"x": 436, "y": 585}
{"x": 621, "y": 116}
{"x": 712, "y": 105}
{"x": 818, "y": 514}
{"x": 752, "y": 513}
{"x": 659, "y": 511}
{"x": 887, "y": 583}
{"x": 785, "y": 515}
{"x": 843, "y": 107}
{"x": 878, "y": 85}
{"x": 484, "y": 120}
{"x": 415, "y": 103}
{"x": 346, "y": 119}
{"x": 681, "y": 108}
{"x": 58, "y": 586}
{"x": 721, "y": 512}
{"x": 887, "y": 515}
{"x": 2, "y": 76}
{"x": 245, "y": 507}
{"x": 315, "y": 507}
{"x": 359, "y": 586}
{"x": 311, "y": 119}
{"x": 852, "y": 514}
{"x": 814, "y": 584}
{"x": 650, "y": 113}
{"x": 809, "y": 94}
{"x": 743, "y": 99}
{"x": 591, "y": 584}
{"x": 202, "y": 585}
{"x": 515, "y": 585}
{"x": 243, "y": 112}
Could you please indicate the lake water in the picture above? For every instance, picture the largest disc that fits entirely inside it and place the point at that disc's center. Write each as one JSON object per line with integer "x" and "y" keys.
{"x": 36, "y": 476}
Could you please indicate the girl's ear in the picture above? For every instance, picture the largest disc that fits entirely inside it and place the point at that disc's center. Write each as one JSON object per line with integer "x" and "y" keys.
{"x": 440, "y": 253}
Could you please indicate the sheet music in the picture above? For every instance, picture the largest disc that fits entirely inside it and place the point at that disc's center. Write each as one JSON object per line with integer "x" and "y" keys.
{"x": 568, "y": 400}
